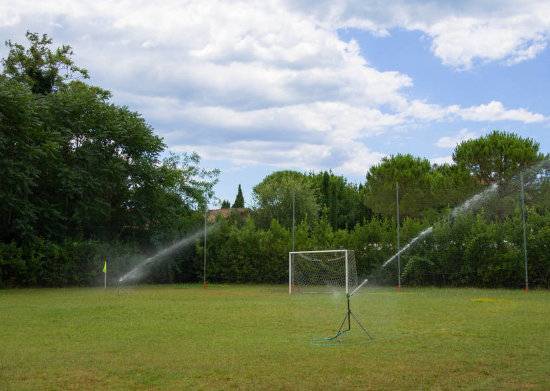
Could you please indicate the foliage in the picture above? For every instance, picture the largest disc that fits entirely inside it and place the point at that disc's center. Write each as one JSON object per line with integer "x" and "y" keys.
{"x": 77, "y": 169}
{"x": 83, "y": 181}
{"x": 423, "y": 189}
{"x": 343, "y": 204}
{"x": 239, "y": 200}
{"x": 274, "y": 196}
{"x": 497, "y": 156}
{"x": 39, "y": 67}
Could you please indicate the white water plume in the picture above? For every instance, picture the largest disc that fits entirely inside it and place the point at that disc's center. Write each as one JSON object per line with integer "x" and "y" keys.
{"x": 138, "y": 271}
{"x": 475, "y": 200}
{"x": 425, "y": 232}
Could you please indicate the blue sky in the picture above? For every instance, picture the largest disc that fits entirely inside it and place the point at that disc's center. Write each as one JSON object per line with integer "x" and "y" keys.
{"x": 259, "y": 86}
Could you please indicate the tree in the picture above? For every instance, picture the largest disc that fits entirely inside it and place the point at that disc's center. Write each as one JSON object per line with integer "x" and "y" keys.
{"x": 39, "y": 67}
{"x": 409, "y": 173}
{"x": 344, "y": 202}
{"x": 75, "y": 165}
{"x": 239, "y": 200}
{"x": 425, "y": 191}
{"x": 497, "y": 156}
{"x": 273, "y": 199}
{"x": 226, "y": 204}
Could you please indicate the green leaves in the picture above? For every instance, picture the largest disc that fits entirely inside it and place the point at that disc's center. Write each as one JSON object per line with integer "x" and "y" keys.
{"x": 497, "y": 156}
{"x": 39, "y": 67}
{"x": 75, "y": 165}
{"x": 273, "y": 199}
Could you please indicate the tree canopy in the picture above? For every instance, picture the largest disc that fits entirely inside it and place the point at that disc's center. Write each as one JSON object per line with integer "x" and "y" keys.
{"x": 74, "y": 165}
{"x": 38, "y": 66}
{"x": 497, "y": 156}
{"x": 273, "y": 199}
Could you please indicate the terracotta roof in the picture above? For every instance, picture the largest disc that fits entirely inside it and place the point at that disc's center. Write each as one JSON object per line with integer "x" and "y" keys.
{"x": 226, "y": 212}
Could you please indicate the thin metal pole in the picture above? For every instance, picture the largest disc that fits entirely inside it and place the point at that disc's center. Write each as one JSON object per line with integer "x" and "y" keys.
{"x": 398, "y": 243}
{"x": 293, "y": 214}
{"x": 524, "y": 234}
{"x": 204, "y": 270}
{"x": 349, "y": 315}
{"x": 290, "y": 279}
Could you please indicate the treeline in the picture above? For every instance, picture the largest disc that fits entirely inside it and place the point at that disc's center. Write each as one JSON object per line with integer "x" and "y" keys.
{"x": 470, "y": 249}
{"x": 82, "y": 183}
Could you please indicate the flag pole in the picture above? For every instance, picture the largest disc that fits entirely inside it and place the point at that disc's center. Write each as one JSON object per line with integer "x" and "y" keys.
{"x": 105, "y": 272}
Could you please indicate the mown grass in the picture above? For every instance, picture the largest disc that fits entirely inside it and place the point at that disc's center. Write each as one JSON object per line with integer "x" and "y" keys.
{"x": 260, "y": 338}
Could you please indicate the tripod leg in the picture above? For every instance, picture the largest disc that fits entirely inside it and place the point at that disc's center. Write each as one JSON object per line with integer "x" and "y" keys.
{"x": 343, "y": 323}
{"x": 341, "y": 330}
{"x": 359, "y": 323}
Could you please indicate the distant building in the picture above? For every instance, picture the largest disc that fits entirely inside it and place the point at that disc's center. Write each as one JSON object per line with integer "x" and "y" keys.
{"x": 212, "y": 214}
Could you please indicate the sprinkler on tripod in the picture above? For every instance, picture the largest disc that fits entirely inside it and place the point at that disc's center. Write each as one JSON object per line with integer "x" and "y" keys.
{"x": 118, "y": 287}
{"x": 347, "y": 319}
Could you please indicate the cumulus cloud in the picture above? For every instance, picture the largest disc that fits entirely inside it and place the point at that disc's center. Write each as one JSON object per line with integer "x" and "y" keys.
{"x": 453, "y": 141}
{"x": 462, "y": 32}
{"x": 495, "y": 111}
{"x": 270, "y": 81}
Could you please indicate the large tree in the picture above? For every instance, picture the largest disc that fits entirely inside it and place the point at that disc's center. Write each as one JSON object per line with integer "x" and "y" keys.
{"x": 497, "y": 156}
{"x": 273, "y": 199}
{"x": 425, "y": 190}
{"x": 75, "y": 165}
{"x": 497, "y": 159}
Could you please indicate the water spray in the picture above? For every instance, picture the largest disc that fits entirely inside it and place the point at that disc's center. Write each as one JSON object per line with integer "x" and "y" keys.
{"x": 137, "y": 271}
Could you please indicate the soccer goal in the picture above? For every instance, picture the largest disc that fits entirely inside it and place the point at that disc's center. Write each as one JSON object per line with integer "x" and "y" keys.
{"x": 329, "y": 271}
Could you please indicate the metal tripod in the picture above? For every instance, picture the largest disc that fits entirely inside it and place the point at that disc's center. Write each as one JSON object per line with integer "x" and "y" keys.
{"x": 118, "y": 288}
{"x": 347, "y": 318}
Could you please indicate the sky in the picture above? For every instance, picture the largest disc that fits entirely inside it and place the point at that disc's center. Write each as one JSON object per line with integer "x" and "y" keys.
{"x": 259, "y": 86}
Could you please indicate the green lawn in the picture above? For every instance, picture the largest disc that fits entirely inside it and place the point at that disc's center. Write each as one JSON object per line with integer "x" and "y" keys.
{"x": 259, "y": 338}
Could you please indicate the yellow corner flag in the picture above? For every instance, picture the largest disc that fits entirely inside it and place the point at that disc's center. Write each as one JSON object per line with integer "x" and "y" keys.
{"x": 105, "y": 267}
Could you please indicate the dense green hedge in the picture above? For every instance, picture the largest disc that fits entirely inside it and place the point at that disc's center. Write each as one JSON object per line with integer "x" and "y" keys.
{"x": 470, "y": 250}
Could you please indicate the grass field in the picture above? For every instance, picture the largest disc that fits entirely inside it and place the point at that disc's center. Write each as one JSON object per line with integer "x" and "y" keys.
{"x": 259, "y": 338}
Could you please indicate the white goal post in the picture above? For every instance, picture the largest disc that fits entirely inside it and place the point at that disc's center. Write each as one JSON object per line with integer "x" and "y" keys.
{"x": 327, "y": 271}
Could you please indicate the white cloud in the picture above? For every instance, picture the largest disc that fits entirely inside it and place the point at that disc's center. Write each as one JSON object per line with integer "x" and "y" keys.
{"x": 495, "y": 111}
{"x": 270, "y": 81}
{"x": 8, "y": 16}
{"x": 461, "y": 31}
{"x": 458, "y": 41}
{"x": 452, "y": 142}
{"x": 442, "y": 160}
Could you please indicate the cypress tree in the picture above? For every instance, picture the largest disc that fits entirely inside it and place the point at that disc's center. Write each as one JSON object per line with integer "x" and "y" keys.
{"x": 239, "y": 200}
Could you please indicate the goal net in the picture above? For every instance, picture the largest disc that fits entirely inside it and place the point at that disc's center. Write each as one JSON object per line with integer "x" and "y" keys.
{"x": 329, "y": 271}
